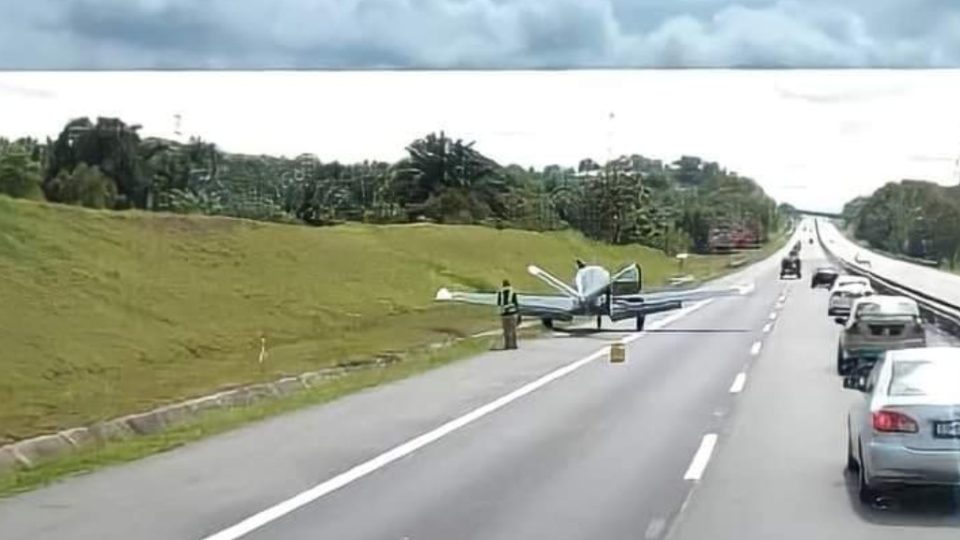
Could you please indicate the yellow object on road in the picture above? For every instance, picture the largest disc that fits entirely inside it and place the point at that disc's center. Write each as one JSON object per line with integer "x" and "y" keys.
{"x": 618, "y": 353}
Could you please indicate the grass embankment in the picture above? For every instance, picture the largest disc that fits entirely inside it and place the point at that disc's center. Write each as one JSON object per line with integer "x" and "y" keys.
{"x": 108, "y": 313}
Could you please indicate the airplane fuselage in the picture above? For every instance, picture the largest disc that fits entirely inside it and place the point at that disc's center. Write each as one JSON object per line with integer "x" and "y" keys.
{"x": 590, "y": 279}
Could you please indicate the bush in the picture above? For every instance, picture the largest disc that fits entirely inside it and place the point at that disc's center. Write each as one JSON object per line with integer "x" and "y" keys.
{"x": 19, "y": 177}
{"x": 85, "y": 186}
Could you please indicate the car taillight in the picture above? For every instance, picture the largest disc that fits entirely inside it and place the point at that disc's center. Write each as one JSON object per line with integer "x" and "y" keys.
{"x": 893, "y": 422}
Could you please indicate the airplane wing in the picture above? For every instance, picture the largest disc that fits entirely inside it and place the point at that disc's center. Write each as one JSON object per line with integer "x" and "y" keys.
{"x": 685, "y": 295}
{"x": 534, "y": 305}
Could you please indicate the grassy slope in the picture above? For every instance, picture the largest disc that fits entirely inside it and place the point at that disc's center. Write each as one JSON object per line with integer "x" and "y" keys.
{"x": 105, "y": 313}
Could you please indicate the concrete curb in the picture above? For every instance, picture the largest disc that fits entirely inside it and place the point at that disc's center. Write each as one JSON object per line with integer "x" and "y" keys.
{"x": 29, "y": 453}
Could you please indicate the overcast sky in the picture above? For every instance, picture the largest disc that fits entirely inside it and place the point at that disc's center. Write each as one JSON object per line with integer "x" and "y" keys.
{"x": 812, "y": 138}
{"x": 257, "y": 34}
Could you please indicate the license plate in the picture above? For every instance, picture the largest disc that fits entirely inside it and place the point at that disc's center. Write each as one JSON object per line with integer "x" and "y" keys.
{"x": 947, "y": 430}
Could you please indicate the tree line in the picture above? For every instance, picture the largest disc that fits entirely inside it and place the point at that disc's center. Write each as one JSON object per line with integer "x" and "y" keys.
{"x": 632, "y": 199}
{"x": 911, "y": 217}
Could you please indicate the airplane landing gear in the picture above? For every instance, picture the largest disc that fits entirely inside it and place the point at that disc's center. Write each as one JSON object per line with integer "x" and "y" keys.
{"x": 641, "y": 320}
{"x": 599, "y": 321}
{"x": 547, "y": 323}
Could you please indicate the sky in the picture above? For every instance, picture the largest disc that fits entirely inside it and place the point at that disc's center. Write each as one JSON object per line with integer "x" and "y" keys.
{"x": 361, "y": 34}
{"x": 814, "y": 139}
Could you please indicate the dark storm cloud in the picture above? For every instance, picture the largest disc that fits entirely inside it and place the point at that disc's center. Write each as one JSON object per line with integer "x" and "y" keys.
{"x": 253, "y": 34}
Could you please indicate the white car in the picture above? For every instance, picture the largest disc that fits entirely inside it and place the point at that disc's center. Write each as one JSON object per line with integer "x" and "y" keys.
{"x": 906, "y": 429}
{"x": 876, "y": 324}
{"x": 844, "y": 291}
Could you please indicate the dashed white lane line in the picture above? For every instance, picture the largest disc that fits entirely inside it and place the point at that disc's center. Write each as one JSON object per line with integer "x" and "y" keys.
{"x": 755, "y": 348}
{"x": 773, "y": 315}
{"x": 738, "y": 382}
{"x": 767, "y": 327}
{"x": 701, "y": 458}
{"x": 655, "y": 529}
{"x": 306, "y": 497}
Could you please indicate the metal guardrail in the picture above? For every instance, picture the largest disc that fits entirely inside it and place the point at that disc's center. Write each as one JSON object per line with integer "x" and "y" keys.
{"x": 944, "y": 314}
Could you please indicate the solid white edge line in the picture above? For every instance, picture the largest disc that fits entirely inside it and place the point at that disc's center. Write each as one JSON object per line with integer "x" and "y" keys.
{"x": 701, "y": 458}
{"x": 306, "y": 497}
{"x": 755, "y": 348}
{"x": 767, "y": 327}
{"x": 738, "y": 383}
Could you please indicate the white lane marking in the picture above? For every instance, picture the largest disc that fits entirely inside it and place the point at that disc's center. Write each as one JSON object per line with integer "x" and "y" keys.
{"x": 782, "y": 299}
{"x": 655, "y": 529}
{"x": 767, "y": 327}
{"x": 701, "y": 458}
{"x": 738, "y": 382}
{"x": 773, "y": 315}
{"x": 755, "y": 348}
{"x": 285, "y": 507}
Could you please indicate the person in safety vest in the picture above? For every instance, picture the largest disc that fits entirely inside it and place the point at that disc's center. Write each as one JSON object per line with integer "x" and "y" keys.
{"x": 509, "y": 314}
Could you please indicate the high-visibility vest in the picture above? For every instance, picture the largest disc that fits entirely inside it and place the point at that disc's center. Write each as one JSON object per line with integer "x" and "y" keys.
{"x": 507, "y": 300}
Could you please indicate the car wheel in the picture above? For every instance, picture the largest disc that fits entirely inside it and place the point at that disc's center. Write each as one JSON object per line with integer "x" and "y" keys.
{"x": 842, "y": 368}
{"x": 852, "y": 464}
{"x": 868, "y": 494}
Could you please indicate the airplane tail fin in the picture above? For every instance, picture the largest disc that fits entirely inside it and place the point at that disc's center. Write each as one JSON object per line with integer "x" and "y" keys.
{"x": 553, "y": 281}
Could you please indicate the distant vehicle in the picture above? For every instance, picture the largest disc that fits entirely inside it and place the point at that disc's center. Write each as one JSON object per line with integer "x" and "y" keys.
{"x": 595, "y": 292}
{"x": 844, "y": 291}
{"x": 906, "y": 429}
{"x": 878, "y": 324}
{"x": 790, "y": 266}
{"x": 824, "y": 275}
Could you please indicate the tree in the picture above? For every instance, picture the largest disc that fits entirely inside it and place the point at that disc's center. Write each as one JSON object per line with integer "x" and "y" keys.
{"x": 111, "y": 146}
{"x": 688, "y": 170}
{"x": 448, "y": 179}
{"x": 19, "y": 175}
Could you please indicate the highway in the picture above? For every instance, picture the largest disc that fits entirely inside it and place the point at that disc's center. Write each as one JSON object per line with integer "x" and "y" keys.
{"x": 943, "y": 285}
{"x": 725, "y": 421}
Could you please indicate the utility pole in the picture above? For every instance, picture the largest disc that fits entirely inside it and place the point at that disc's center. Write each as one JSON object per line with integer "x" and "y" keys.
{"x": 610, "y": 136}
{"x": 177, "y": 120}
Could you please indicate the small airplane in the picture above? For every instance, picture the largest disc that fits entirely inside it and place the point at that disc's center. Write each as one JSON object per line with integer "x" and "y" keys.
{"x": 596, "y": 293}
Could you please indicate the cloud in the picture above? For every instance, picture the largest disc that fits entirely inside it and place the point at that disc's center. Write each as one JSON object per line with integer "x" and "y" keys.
{"x": 257, "y": 34}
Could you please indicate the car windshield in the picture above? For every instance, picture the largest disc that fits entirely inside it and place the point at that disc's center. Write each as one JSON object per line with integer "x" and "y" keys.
{"x": 925, "y": 378}
{"x": 876, "y": 310}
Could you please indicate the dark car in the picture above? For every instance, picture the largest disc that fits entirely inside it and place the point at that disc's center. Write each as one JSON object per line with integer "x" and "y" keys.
{"x": 790, "y": 266}
{"x": 825, "y": 275}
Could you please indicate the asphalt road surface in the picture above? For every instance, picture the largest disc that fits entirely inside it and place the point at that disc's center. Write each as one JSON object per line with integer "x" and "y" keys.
{"x": 943, "y": 285}
{"x": 726, "y": 420}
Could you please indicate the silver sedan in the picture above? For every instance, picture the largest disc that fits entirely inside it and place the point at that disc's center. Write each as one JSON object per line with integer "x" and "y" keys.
{"x": 906, "y": 429}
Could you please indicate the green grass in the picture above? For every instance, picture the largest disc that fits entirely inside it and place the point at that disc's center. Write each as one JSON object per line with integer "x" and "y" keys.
{"x": 218, "y": 421}
{"x": 108, "y": 313}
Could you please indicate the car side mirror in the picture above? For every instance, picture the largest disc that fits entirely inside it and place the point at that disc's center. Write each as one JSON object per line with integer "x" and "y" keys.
{"x": 855, "y": 382}
{"x": 840, "y": 320}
